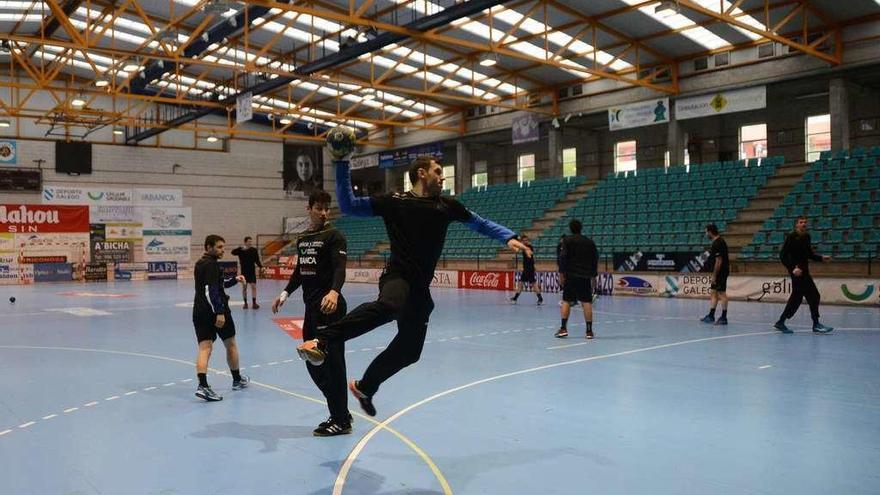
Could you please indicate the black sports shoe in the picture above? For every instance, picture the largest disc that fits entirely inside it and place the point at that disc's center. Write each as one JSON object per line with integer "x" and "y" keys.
{"x": 561, "y": 333}
{"x": 330, "y": 420}
{"x": 240, "y": 384}
{"x": 365, "y": 400}
{"x": 331, "y": 428}
{"x": 207, "y": 394}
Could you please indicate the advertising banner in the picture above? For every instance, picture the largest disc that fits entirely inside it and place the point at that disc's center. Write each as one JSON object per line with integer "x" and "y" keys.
{"x": 229, "y": 268}
{"x": 488, "y": 280}
{"x": 549, "y": 281}
{"x": 642, "y": 285}
{"x": 8, "y": 153}
{"x": 7, "y": 242}
{"x": 53, "y": 272}
{"x": 9, "y": 271}
{"x": 366, "y": 161}
{"x": 525, "y": 129}
{"x": 404, "y": 157}
{"x": 362, "y": 275}
{"x": 167, "y": 247}
{"x": 96, "y": 272}
{"x": 161, "y": 270}
{"x": 24, "y": 219}
{"x": 112, "y": 251}
{"x": 661, "y": 262}
{"x": 124, "y": 231}
{"x": 111, "y": 213}
{"x": 639, "y": 114}
{"x": 64, "y": 195}
{"x": 157, "y": 197}
{"x": 162, "y": 220}
{"x": 737, "y": 100}
{"x": 445, "y": 278}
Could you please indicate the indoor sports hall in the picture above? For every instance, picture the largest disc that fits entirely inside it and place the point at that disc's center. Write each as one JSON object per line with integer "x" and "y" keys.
{"x": 542, "y": 246}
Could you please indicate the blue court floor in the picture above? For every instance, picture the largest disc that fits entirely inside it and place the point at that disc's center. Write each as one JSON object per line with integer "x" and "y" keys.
{"x": 96, "y": 397}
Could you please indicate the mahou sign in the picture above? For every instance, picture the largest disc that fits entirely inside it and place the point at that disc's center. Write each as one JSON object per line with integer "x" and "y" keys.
{"x": 485, "y": 280}
{"x": 28, "y": 219}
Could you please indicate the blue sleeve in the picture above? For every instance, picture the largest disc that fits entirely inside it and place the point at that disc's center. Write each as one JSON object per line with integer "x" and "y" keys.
{"x": 489, "y": 228}
{"x": 348, "y": 203}
{"x": 229, "y": 282}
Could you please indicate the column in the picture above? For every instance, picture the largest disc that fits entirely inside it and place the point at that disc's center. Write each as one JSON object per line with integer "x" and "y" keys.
{"x": 839, "y": 109}
{"x": 463, "y": 167}
{"x": 554, "y": 152}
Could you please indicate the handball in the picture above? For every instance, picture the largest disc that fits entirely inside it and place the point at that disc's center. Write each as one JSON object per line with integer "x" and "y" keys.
{"x": 341, "y": 141}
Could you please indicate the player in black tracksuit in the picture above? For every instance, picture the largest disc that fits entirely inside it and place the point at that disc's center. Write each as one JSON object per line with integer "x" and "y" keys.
{"x": 796, "y": 253}
{"x": 416, "y": 222}
{"x": 528, "y": 276}
{"x": 249, "y": 260}
{"x": 211, "y": 317}
{"x": 320, "y": 270}
{"x": 579, "y": 265}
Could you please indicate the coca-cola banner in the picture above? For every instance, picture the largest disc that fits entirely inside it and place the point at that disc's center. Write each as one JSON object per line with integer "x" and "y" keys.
{"x": 27, "y": 219}
{"x": 485, "y": 280}
{"x": 662, "y": 262}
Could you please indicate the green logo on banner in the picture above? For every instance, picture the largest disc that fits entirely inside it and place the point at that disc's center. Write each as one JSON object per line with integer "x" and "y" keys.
{"x": 96, "y": 197}
{"x": 857, "y": 297}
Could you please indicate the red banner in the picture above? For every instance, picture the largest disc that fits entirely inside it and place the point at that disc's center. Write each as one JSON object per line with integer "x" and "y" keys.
{"x": 485, "y": 280}
{"x": 291, "y": 326}
{"x": 35, "y": 219}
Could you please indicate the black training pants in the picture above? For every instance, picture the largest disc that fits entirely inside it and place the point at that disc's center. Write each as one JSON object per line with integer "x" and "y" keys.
{"x": 329, "y": 377}
{"x": 802, "y": 287}
{"x": 399, "y": 299}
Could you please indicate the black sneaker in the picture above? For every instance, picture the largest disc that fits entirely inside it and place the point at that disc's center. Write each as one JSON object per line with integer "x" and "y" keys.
{"x": 820, "y": 328}
{"x": 240, "y": 384}
{"x": 561, "y": 333}
{"x": 365, "y": 400}
{"x": 779, "y": 325}
{"x": 330, "y": 420}
{"x": 331, "y": 428}
{"x": 721, "y": 321}
{"x": 207, "y": 394}
{"x": 589, "y": 335}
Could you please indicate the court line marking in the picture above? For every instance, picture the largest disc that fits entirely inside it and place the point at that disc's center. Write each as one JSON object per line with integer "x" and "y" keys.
{"x": 447, "y": 490}
{"x": 765, "y": 366}
{"x": 362, "y": 443}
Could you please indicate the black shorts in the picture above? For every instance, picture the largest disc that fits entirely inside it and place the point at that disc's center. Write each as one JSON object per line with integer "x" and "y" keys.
{"x": 250, "y": 276}
{"x": 528, "y": 277}
{"x": 206, "y": 330}
{"x": 720, "y": 282}
{"x": 577, "y": 289}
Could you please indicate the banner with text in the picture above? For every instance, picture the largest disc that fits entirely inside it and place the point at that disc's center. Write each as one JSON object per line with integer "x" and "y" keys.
{"x": 661, "y": 262}
{"x": 736, "y": 100}
{"x": 639, "y": 114}
{"x": 23, "y": 219}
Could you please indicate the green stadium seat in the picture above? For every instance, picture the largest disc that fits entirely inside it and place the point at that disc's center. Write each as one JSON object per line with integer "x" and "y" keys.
{"x": 864, "y": 222}
{"x": 845, "y": 223}
{"x": 855, "y": 237}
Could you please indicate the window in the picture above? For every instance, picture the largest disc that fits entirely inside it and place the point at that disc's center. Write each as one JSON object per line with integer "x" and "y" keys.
{"x": 480, "y": 177}
{"x": 569, "y": 162}
{"x": 406, "y": 183}
{"x": 449, "y": 179}
{"x": 818, "y": 136}
{"x": 753, "y": 141}
{"x": 525, "y": 166}
{"x": 687, "y": 159}
{"x": 625, "y": 156}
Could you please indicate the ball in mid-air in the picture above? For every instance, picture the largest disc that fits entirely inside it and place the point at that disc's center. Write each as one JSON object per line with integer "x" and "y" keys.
{"x": 341, "y": 141}
{"x": 12, "y": 299}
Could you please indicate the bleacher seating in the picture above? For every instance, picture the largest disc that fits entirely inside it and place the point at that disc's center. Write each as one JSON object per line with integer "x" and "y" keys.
{"x": 839, "y": 195}
{"x": 644, "y": 211}
{"x": 513, "y": 205}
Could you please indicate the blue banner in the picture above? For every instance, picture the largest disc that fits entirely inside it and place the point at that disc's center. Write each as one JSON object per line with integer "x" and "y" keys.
{"x": 8, "y": 152}
{"x": 53, "y": 272}
{"x": 404, "y": 157}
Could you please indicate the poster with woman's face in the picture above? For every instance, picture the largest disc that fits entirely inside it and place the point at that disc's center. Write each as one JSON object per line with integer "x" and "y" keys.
{"x": 303, "y": 168}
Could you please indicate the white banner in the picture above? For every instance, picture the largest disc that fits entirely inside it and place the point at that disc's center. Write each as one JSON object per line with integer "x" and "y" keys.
{"x": 63, "y": 195}
{"x": 244, "y": 109}
{"x": 367, "y": 161}
{"x": 639, "y": 114}
{"x": 158, "y": 197}
{"x": 737, "y": 100}
{"x": 766, "y": 288}
{"x": 124, "y": 231}
{"x": 105, "y": 214}
{"x": 164, "y": 219}
{"x": 166, "y": 248}
{"x": 7, "y": 242}
{"x": 445, "y": 278}
{"x": 363, "y": 275}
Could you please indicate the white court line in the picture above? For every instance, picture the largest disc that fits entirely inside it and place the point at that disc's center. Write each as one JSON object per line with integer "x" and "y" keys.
{"x": 288, "y": 360}
{"x": 71, "y": 410}
{"x": 29, "y": 423}
{"x": 91, "y": 404}
{"x": 112, "y": 398}
{"x": 567, "y": 345}
{"x": 273, "y": 363}
{"x": 4, "y": 432}
{"x": 358, "y": 448}
{"x": 255, "y": 366}
{"x": 148, "y": 389}
{"x": 132, "y": 392}
{"x": 765, "y": 366}
{"x": 186, "y": 380}
{"x": 168, "y": 384}
{"x": 46, "y": 418}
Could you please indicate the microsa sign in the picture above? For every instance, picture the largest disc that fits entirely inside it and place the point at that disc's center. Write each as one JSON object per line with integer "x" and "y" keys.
{"x": 27, "y": 219}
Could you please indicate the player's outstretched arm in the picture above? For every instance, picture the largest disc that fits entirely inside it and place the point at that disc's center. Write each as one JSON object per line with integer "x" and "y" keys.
{"x": 348, "y": 202}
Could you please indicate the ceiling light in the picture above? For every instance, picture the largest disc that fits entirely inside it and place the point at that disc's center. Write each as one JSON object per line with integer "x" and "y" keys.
{"x": 5, "y": 123}
{"x": 285, "y": 120}
{"x": 212, "y": 138}
{"x": 118, "y": 130}
{"x": 369, "y": 96}
{"x": 78, "y": 101}
{"x": 488, "y": 60}
{"x": 131, "y": 66}
{"x": 102, "y": 82}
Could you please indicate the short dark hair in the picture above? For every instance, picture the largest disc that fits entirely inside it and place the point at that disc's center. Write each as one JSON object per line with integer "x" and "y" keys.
{"x": 712, "y": 229}
{"x": 247, "y": 238}
{"x": 319, "y": 196}
{"x": 800, "y": 217}
{"x": 419, "y": 163}
{"x": 212, "y": 240}
{"x": 575, "y": 226}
